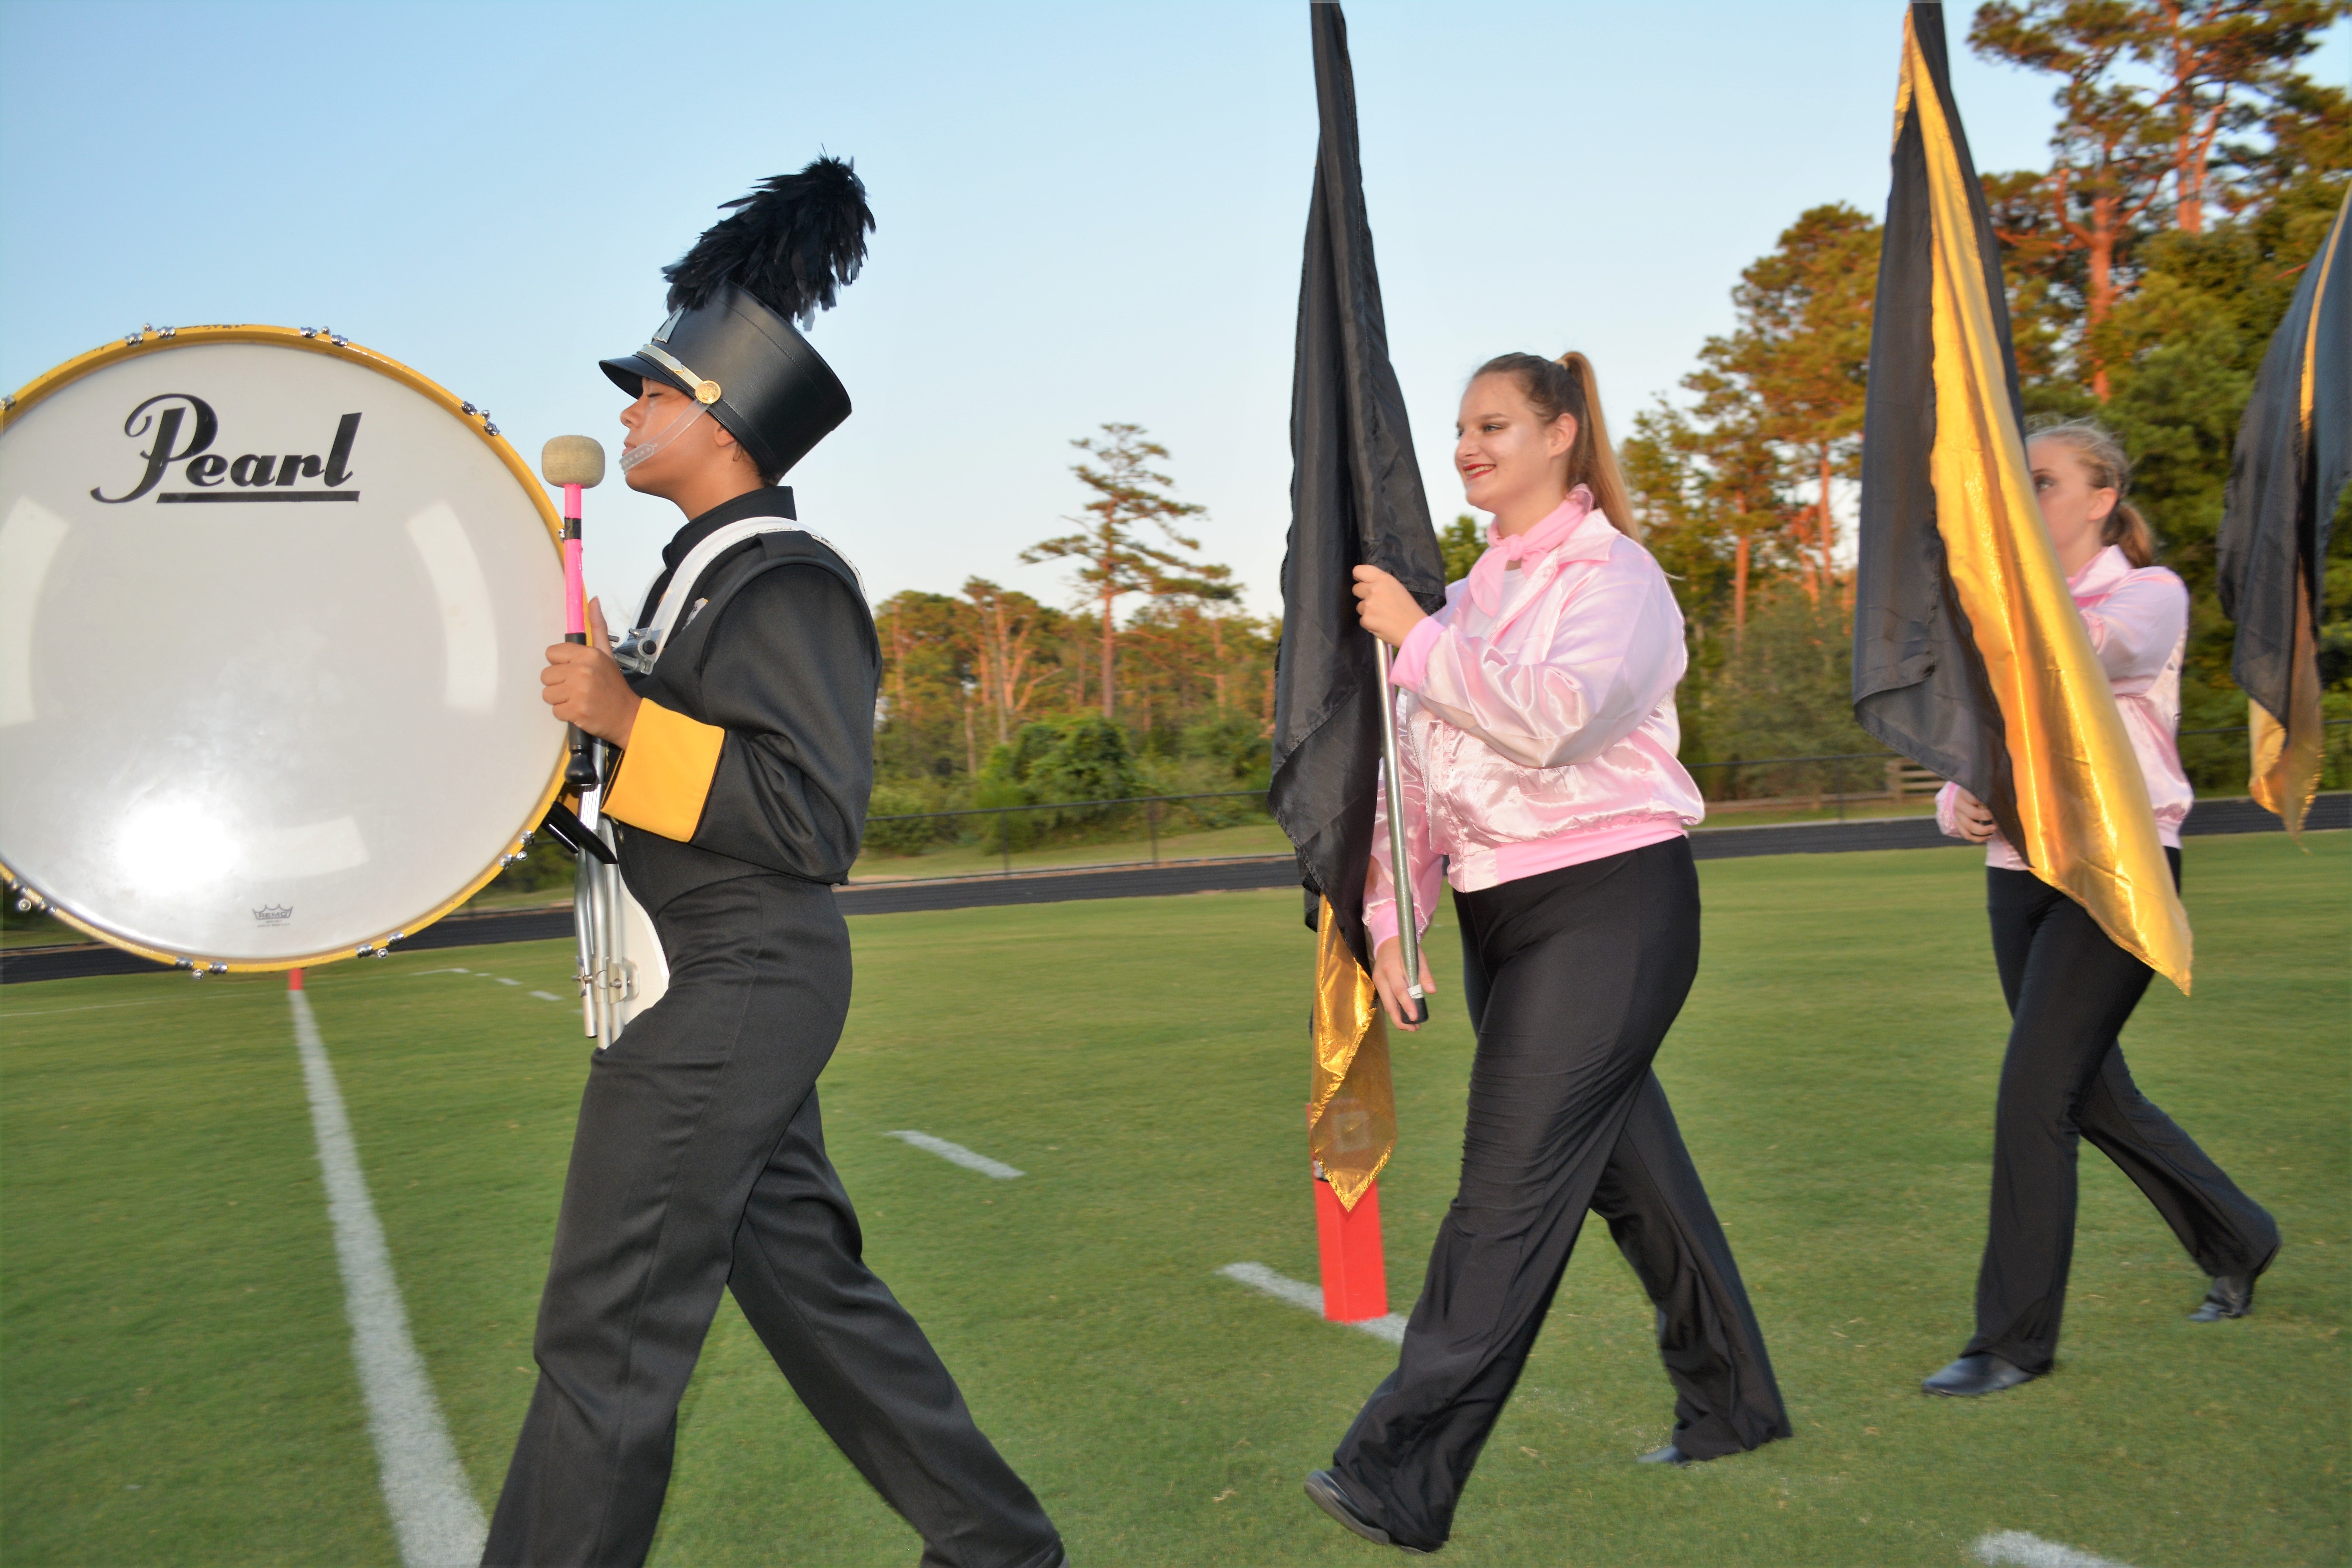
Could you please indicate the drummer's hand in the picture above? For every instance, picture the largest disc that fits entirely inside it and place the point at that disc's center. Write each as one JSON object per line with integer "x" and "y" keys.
{"x": 586, "y": 688}
{"x": 1383, "y": 606}
{"x": 1388, "y": 979}
{"x": 1976, "y": 824}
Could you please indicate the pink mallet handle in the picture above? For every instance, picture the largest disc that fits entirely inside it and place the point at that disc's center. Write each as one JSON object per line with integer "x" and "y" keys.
{"x": 575, "y": 606}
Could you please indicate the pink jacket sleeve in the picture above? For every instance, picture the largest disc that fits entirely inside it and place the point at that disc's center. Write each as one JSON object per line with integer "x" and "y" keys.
{"x": 1380, "y": 895}
{"x": 2136, "y": 628}
{"x": 1947, "y": 801}
{"x": 1618, "y": 654}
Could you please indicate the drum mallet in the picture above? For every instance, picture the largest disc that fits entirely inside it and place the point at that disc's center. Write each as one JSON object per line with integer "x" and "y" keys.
{"x": 576, "y": 463}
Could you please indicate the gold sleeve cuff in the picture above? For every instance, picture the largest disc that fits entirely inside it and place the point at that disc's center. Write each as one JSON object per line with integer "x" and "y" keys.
{"x": 665, "y": 774}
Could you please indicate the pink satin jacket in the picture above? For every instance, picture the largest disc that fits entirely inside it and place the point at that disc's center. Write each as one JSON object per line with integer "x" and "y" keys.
{"x": 2139, "y": 621}
{"x": 1536, "y": 714}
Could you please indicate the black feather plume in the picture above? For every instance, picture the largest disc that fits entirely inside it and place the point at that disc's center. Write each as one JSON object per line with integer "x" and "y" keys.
{"x": 792, "y": 244}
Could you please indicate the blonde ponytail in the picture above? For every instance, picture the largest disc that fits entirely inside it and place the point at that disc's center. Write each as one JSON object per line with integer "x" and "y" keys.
{"x": 1593, "y": 461}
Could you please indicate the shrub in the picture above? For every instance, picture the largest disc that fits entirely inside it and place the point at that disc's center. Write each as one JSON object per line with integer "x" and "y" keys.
{"x": 1090, "y": 761}
{"x": 910, "y": 836}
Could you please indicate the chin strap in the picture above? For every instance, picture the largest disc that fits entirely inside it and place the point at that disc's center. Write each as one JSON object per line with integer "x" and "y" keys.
{"x": 639, "y": 453}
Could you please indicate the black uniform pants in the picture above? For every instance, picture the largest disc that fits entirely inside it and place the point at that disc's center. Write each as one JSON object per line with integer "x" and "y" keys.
{"x": 2069, "y": 990}
{"x": 1572, "y": 979}
{"x": 699, "y": 1165}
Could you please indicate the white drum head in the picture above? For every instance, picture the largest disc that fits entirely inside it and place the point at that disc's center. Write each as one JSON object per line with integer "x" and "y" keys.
{"x": 270, "y": 660}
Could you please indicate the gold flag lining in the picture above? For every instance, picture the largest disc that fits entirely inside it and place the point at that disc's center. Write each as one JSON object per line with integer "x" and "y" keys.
{"x": 1351, "y": 1113}
{"x": 2287, "y": 756}
{"x": 2286, "y": 746}
{"x": 2082, "y": 802}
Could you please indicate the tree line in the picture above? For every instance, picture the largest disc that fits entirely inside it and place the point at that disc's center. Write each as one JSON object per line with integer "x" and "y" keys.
{"x": 992, "y": 697}
{"x": 2192, "y": 175}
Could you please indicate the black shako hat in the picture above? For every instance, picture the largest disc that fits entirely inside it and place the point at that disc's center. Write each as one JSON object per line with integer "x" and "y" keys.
{"x": 730, "y": 342}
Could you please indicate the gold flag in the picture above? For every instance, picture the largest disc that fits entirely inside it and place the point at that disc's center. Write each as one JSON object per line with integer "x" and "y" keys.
{"x": 1351, "y": 1116}
{"x": 2082, "y": 802}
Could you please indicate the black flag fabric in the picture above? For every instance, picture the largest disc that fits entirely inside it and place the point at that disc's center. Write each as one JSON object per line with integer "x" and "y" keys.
{"x": 1968, "y": 654}
{"x": 1355, "y": 498}
{"x": 2294, "y": 448}
{"x": 1919, "y": 684}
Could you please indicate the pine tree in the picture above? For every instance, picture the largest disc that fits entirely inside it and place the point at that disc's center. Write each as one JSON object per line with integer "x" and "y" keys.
{"x": 1115, "y": 559}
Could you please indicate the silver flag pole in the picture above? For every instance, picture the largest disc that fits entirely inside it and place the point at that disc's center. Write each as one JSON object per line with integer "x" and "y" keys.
{"x": 1400, "y": 872}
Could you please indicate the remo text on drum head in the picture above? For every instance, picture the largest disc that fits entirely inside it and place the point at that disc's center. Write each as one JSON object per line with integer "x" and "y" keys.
{"x": 272, "y": 612}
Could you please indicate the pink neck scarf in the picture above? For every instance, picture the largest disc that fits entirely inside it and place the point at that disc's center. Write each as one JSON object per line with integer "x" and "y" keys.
{"x": 1487, "y": 576}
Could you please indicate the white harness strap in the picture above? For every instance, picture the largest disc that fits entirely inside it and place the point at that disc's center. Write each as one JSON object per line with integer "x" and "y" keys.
{"x": 698, "y": 561}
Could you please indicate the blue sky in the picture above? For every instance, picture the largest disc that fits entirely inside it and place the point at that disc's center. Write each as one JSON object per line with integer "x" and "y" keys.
{"x": 1087, "y": 212}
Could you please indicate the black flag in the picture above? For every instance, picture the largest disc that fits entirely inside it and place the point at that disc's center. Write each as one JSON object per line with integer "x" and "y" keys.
{"x": 2294, "y": 448}
{"x": 1919, "y": 684}
{"x": 1969, "y": 655}
{"x": 1355, "y": 498}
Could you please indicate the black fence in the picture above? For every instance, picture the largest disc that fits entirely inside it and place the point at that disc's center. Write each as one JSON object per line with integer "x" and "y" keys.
{"x": 1005, "y": 829}
{"x": 1827, "y": 784}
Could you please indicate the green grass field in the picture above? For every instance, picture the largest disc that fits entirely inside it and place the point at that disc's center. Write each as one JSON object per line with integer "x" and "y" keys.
{"x": 177, "y": 1383}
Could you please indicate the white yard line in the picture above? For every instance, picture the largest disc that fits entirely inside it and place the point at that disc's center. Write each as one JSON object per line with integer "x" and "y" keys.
{"x": 424, "y": 1489}
{"x": 92, "y": 1007}
{"x": 1258, "y": 1277}
{"x": 2016, "y": 1549}
{"x": 957, "y": 1154}
{"x": 543, "y": 995}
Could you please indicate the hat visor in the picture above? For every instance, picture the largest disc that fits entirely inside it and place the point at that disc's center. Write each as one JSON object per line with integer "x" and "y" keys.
{"x": 630, "y": 371}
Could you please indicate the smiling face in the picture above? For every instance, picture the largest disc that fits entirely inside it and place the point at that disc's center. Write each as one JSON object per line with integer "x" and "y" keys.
{"x": 1513, "y": 462}
{"x": 2073, "y": 509}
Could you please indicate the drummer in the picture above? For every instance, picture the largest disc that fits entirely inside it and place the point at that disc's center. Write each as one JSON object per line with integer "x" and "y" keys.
{"x": 699, "y": 1161}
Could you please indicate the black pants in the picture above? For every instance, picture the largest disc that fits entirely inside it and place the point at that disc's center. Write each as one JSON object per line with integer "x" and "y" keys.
{"x": 2070, "y": 989}
{"x": 700, "y": 1164}
{"x": 1572, "y": 979}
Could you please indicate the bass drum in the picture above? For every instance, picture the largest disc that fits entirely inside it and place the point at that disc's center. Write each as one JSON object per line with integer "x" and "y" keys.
{"x": 273, "y": 609}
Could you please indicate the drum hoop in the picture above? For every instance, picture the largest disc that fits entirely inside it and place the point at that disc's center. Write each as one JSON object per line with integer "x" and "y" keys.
{"x": 318, "y": 340}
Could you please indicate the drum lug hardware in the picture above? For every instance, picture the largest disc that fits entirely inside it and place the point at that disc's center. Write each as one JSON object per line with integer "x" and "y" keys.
{"x": 29, "y": 902}
{"x": 338, "y": 339}
{"x": 132, "y": 338}
{"x": 309, "y": 331}
{"x": 7, "y": 402}
{"x": 169, "y": 332}
{"x": 465, "y": 409}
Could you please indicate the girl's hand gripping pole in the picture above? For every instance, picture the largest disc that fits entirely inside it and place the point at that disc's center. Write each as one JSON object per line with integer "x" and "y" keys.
{"x": 1400, "y": 866}
{"x": 574, "y": 463}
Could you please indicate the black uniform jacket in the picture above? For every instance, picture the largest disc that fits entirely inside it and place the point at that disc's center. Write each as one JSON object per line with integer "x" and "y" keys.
{"x": 754, "y": 752}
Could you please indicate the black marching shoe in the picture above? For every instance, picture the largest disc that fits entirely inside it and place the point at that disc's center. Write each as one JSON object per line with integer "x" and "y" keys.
{"x": 1325, "y": 1490}
{"x": 1669, "y": 1455}
{"x": 2232, "y": 1296}
{"x": 1983, "y": 1372}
